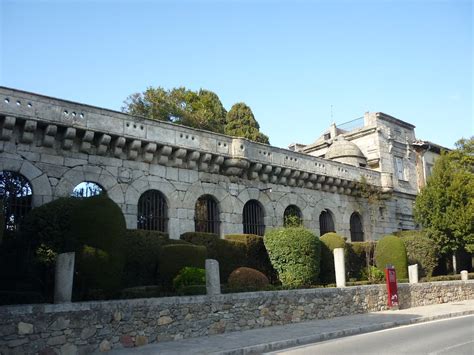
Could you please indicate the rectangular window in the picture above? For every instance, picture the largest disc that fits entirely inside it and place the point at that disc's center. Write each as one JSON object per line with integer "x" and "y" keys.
{"x": 400, "y": 169}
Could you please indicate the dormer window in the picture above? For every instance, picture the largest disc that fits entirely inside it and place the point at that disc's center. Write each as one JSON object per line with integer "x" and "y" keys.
{"x": 327, "y": 136}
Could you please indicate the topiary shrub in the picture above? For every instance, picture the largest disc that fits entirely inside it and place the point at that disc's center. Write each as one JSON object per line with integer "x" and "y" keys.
{"x": 141, "y": 253}
{"x": 244, "y": 278}
{"x": 420, "y": 250}
{"x": 390, "y": 250}
{"x": 329, "y": 242}
{"x": 230, "y": 254}
{"x": 256, "y": 255}
{"x": 295, "y": 254}
{"x": 360, "y": 255}
{"x": 189, "y": 276}
{"x": 175, "y": 257}
{"x": 98, "y": 224}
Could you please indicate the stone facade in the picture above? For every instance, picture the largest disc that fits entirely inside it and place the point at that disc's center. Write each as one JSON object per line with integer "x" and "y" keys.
{"x": 57, "y": 144}
{"x": 86, "y": 327}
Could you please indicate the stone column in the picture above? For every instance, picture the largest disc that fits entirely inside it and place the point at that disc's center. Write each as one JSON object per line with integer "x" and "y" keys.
{"x": 339, "y": 267}
{"x": 413, "y": 273}
{"x": 63, "y": 278}
{"x": 464, "y": 276}
{"x": 213, "y": 280}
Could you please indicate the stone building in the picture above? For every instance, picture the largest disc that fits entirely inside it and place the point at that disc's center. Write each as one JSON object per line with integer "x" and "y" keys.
{"x": 177, "y": 179}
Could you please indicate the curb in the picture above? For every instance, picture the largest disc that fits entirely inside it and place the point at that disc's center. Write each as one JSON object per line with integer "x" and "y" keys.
{"x": 309, "y": 339}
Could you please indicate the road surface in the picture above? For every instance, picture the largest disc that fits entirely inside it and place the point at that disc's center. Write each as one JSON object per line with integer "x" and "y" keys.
{"x": 447, "y": 336}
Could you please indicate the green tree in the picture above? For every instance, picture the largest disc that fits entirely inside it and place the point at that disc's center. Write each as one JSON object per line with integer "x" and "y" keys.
{"x": 242, "y": 123}
{"x": 445, "y": 207}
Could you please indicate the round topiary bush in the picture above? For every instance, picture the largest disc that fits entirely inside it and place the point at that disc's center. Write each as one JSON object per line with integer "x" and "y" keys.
{"x": 295, "y": 254}
{"x": 420, "y": 250}
{"x": 329, "y": 242}
{"x": 390, "y": 250}
{"x": 245, "y": 278}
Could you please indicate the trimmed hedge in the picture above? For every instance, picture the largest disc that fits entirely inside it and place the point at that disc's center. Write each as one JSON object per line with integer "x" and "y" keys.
{"x": 230, "y": 254}
{"x": 421, "y": 250}
{"x": 142, "y": 250}
{"x": 189, "y": 276}
{"x": 391, "y": 250}
{"x": 357, "y": 255}
{"x": 98, "y": 224}
{"x": 256, "y": 255}
{"x": 175, "y": 257}
{"x": 295, "y": 254}
{"x": 247, "y": 278}
{"x": 329, "y": 242}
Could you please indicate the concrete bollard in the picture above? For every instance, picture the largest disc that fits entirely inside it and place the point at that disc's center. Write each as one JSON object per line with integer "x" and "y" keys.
{"x": 64, "y": 277}
{"x": 339, "y": 267}
{"x": 464, "y": 276}
{"x": 413, "y": 273}
{"x": 213, "y": 280}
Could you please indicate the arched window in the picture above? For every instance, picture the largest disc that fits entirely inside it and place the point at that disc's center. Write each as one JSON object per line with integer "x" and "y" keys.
{"x": 206, "y": 217}
{"x": 16, "y": 197}
{"x": 292, "y": 216}
{"x": 357, "y": 232}
{"x": 326, "y": 223}
{"x": 253, "y": 218}
{"x": 152, "y": 211}
{"x": 87, "y": 189}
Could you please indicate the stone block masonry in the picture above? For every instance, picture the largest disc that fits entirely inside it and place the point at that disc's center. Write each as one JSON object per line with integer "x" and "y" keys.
{"x": 86, "y": 327}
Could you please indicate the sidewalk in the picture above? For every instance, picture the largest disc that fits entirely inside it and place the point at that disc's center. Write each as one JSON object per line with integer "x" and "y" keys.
{"x": 279, "y": 337}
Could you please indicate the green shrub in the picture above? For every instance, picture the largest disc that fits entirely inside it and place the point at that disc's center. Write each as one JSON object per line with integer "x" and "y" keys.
{"x": 357, "y": 255}
{"x": 98, "y": 224}
{"x": 420, "y": 250}
{"x": 256, "y": 255}
{"x": 295, "y": 254}
{"x": 145, "y": 292}
{"x": 373, "y": 274}
{"x": 175, "y": 257}
{"x": 189, "y": 276}
{"x": 141, "y": 252}
{"x": 230, "y": 254}
{"x": 191, "y": 290}
{"x": 329, "y": 242}
{"x": 247, "y": 278}
{"x": 390, "y": 250}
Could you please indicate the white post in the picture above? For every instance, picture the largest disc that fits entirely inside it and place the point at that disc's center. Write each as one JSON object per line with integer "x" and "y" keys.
{"x": 213, "y": 280}
{"x": 413, "y": 273}
{"x": 339, "y": 267}
{"x": 64, "y": 277}
{"x": 464, "y": 276}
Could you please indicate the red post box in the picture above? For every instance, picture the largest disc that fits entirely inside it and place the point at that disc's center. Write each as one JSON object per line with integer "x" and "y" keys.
{"x": 391, "y": 279}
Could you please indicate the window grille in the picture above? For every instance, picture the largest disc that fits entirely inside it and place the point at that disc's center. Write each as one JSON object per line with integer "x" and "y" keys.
{"x": 206, "y": 215}
{"x": 326, "y": 223}
{"x": 357, "y": 232}
{"x": 87, "y": 189}
{"x": 253, "y": 218}
{"x": 152, "y": 211}
{"x": 16, "y": 197}
{"x": 292, "y": 216}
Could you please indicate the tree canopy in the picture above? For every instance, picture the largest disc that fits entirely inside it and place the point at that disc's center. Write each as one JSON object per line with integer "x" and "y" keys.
{"x": 198, "y": 109}
{"x": 445, "y": 207}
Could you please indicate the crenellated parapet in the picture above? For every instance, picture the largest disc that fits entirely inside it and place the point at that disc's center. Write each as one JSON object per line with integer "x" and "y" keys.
{"x": 64, "y": 125}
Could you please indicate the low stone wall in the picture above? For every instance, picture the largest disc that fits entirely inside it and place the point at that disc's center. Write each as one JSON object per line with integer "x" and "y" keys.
{"x": 91, "y": 326}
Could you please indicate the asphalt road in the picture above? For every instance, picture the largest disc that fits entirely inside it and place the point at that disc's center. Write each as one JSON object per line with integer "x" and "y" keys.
{"x": 448, "y": 336}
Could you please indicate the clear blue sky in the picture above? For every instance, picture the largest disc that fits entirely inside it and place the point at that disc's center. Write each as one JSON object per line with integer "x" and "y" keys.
{"x": 288, "y": 60}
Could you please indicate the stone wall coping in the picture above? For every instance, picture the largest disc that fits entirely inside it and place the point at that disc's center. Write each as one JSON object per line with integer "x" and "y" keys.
{"x": 230, "y": 297}
{"x": 57, "y": 112}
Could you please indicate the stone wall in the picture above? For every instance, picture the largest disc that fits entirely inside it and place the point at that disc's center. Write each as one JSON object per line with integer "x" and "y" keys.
{"x": 90, "y": 326}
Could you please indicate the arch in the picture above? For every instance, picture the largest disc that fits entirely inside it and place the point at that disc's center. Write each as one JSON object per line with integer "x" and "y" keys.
{"x": 206, "y": 215}
{"x": 326, "y": 222}
{"x": 16, "y": 194}
{"x": 292, "y": 216}
{"x": 253, "y": 218}
{"x": 87, "y": 189}
{"x": 152, "y": 211}
{"x": 357, "y": 229}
